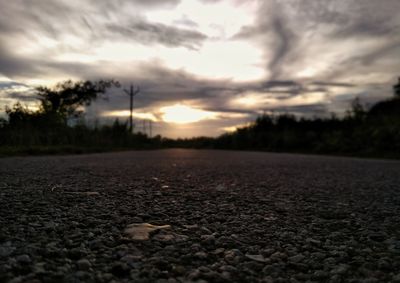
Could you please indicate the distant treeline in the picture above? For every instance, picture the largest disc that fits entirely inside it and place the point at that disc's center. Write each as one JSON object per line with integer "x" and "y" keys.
{"x": 47, "y": 130}
{"x": 25, "y": 128}
{"x": 374, "y": 133}
{"x": 371, "y": 132}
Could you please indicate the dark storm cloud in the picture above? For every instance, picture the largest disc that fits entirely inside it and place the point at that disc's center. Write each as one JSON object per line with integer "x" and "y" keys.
{"x": 356, "y": 18}
{"x": 54, "y": 18}
{"x": 294, "y": 25}
{"x": 8, "y": 85}
{"x": 26, "y": 17}
{"x": 13, "y": 65}
{"x": 279, "y": 89}
{"x": 284, "y": 40}
{"x": 276, "y": 85}
{"x": 332, "y": 84}
{"x": 162, "y": 85}
{"x": 271, "y": 24}
{"x": 225, "y": 110}
{"x": 369, "y": 19}
{"x": 21, "y": 96}
{"x": 389, "y": 49}
{"x": 12, "y": 91}
{"x": 150, "y": 33}
{"x": 382, "y": 59}
{"x": 304, "y": 110}
{"x": 366, "y": 28}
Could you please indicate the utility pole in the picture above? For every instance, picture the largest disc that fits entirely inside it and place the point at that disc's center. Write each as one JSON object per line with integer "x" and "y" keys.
{"x": 133, "y": 91}
{"x": 151, "y": 127}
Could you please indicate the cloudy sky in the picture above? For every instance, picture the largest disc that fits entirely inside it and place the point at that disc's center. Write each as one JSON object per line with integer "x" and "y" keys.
{"x": 203, "y": 66}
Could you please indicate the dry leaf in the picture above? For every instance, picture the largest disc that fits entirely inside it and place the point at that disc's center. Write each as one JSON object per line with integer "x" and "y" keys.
{"x": 258, "y": 258}
{"x": 141, "y": 231}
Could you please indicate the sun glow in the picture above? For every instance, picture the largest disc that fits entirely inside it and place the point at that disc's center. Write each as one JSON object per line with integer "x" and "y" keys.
{"x": 234, "y": 128}
{"x": 183, "y": 114}
{"x": 126, "y": 113}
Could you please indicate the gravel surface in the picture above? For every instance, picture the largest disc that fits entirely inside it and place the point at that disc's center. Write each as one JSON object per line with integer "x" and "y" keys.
{"x": 226, "y": 216}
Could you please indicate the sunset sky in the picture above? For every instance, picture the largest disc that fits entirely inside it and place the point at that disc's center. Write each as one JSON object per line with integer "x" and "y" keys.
{"x": 203, "y": 66}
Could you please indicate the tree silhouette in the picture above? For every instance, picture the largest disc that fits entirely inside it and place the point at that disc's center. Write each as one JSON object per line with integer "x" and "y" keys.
{"x": 19, "y": 114}
{"x": 67, "y": 97}
{"x": 396, "y": 89}
{"x": 357, "y": 110}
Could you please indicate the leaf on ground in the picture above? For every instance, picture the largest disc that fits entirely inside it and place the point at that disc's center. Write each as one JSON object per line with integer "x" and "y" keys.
{"x": 258, "y": 258}
{"x": 141, "y": 231}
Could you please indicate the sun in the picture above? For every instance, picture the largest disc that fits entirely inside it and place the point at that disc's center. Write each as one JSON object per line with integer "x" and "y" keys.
{"x": 183, "y": 114}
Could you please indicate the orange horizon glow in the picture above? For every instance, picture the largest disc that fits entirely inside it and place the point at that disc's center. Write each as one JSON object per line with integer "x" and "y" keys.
{"x": 183, "y": 114}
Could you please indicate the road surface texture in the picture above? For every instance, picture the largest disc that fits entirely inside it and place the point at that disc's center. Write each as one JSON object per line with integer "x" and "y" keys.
{"x": 233, "y": 216}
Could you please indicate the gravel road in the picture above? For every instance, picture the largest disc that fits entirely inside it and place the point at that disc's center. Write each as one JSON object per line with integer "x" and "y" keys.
{"x": 233, "y": 217}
